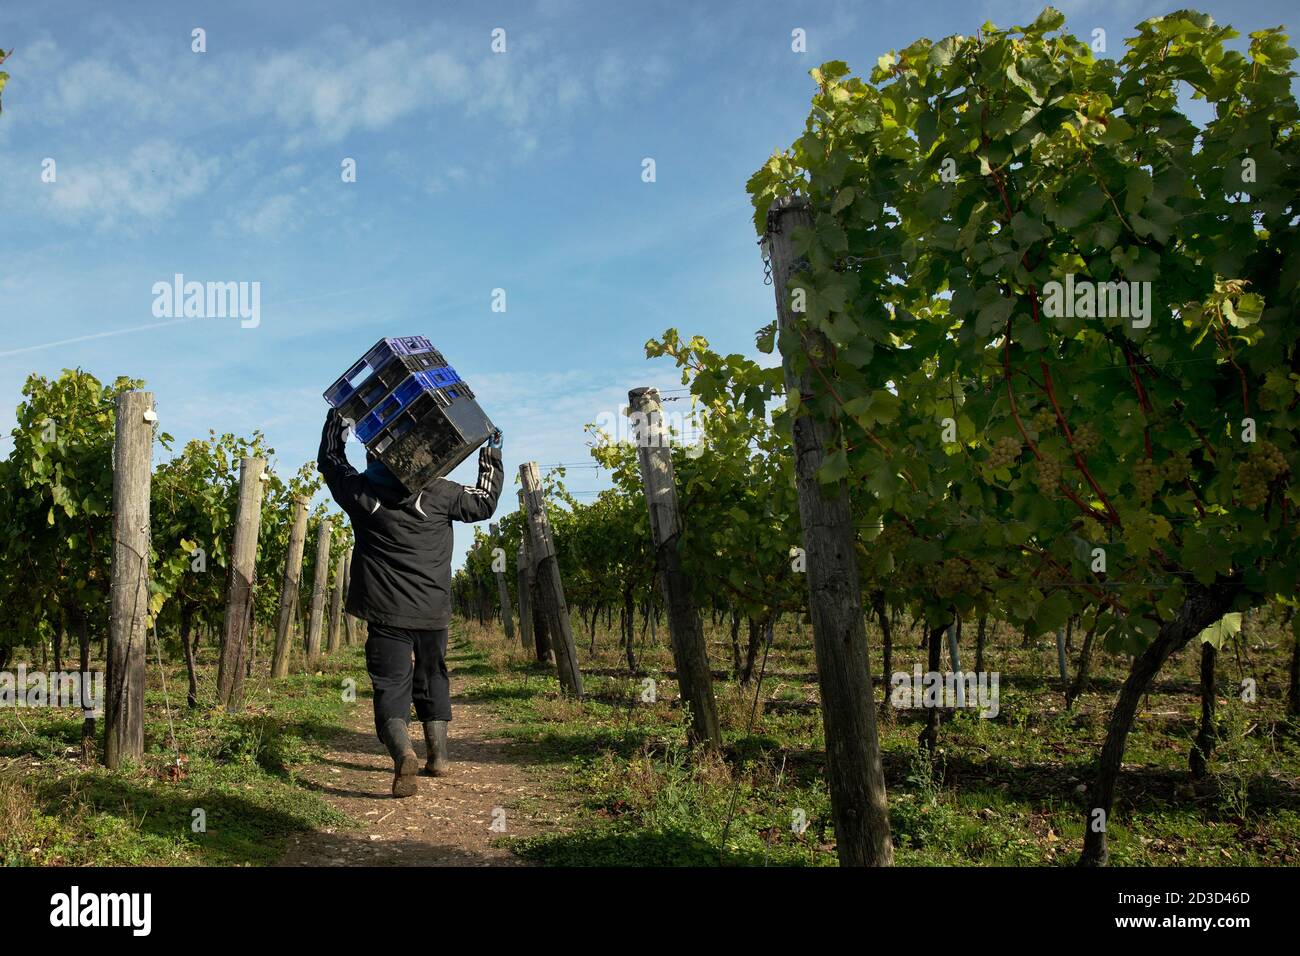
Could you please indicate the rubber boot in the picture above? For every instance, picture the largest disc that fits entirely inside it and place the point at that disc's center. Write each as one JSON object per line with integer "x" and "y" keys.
{"x": 435, "y": 742}
{"x": 405, "y": 763}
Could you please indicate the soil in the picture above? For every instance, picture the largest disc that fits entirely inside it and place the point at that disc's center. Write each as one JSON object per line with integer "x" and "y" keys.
{"x": 454, "y": 820}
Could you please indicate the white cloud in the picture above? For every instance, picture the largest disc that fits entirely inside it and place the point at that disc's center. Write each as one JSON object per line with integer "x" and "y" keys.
{"x": 543, "y": 414}
{"x": 121, "y": 129}
{"x": 145, "y": 184}
{"x": 358, "y": 85}
{"x": 324, "y": 88}
{"x": 269, "y": 218}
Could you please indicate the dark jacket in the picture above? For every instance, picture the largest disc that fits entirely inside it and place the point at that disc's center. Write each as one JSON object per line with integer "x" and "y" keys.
{"x": 401, "y": 563}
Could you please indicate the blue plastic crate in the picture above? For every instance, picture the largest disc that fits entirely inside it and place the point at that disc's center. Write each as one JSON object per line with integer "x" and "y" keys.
{"x": 373, "y": 376}
{"x": 444, "y": 376}
{"x": 410, "y": 408}
{"x": 444, "y": 384}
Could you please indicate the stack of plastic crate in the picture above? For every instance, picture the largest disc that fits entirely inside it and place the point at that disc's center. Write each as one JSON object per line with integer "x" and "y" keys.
{"x": 411, "y": 409}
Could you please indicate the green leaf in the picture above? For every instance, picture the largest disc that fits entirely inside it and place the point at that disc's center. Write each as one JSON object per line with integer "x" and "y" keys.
{"x": 843, "y": 199}
{"x": 941, "y": 53}
{"x": 1050, "y": 19}
{"x": 1028, "y": 230}
{"x": 1220, "y": 631}
{"x": 884, "y": 481}
{"x": 885, "y": 406}
{"x": 1117, "y": 130}
{"x": 993, "y": 316}
{"x": 834, "y": 468}
{"x": 1247, "y": 312}
{"x": 1053, "y": 612}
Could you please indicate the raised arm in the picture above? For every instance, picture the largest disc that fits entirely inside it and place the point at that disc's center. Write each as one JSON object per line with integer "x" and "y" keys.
{"x": 480, "y": 501}
{"x": 345, "y": 483}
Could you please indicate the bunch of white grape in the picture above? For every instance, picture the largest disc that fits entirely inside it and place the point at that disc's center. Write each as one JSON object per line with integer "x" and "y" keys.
{"x": 1147, "y": 479}
{"x": 1176, "y": 468}
{"x": 1086, "y": 438}
{"x": 1257, "y": 472}
{"x": 1048, "y": 474}
{"x": 1004, "y": 453}
{"x": 1044, "y": 420}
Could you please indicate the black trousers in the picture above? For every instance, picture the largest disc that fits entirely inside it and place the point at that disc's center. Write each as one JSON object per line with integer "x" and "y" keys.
{"x": 408, "y": 666}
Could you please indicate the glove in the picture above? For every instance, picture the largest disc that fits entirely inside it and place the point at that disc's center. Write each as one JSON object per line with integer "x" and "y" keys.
{"x": 334, "y": 420}
{"x": 494, "y": 440}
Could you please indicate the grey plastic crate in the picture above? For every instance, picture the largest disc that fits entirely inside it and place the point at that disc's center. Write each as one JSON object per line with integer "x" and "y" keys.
{"x": 433, "y": 434}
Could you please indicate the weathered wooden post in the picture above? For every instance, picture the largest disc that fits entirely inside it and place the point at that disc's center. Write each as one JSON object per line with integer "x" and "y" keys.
{"x": 886, "y": 640}
{"x": 323, "y": 536}
{"x": 1060, "y": 656}
{"x": 129, "y": 601}
{"x": 239, "y": 584}
{"x": 550, "y": 589}
{"x": 690, "y": 653}
{"x": 543, "y": 651}
{"x": 336, "y": 609}
{"x": 503, "y": 589}
{"x": 525, "y": 606}
{"x": 856, "y": 779}
{"x": 1206, "y": 737}
{"x": 1293, "y": 684}
{"x": 289, "y": 589}
{"x": 349, "y": 631}
{"x": 928, "y": 739}
{"x": 954, "y": 661}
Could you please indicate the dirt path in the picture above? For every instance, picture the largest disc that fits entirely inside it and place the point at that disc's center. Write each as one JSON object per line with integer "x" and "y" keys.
{"x": 448, "y": 823}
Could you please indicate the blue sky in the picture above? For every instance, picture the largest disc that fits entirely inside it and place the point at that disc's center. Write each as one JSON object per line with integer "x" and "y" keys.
{"x": 475, "y": 171}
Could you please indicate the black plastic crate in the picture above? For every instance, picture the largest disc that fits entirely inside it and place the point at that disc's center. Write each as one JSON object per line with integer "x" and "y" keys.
{"x": 403, "y": 395}
{"x": 411, "y": 409}
{"x": 382, "y": 369}
{"x": 431, "y": 435}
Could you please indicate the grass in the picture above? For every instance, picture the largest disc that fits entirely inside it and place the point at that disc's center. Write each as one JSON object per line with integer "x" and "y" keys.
{"x": 213, "y": 789}
{"x": 622, "y": 787}
{"x": 1008, "y": 791}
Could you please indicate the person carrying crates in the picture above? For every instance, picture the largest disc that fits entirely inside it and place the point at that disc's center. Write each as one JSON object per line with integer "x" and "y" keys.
{"x": 400, "y": 583}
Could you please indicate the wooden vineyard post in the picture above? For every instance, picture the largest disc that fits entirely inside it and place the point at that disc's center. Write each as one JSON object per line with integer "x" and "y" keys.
{"x": 349, "y": 635}
{"x": 541, "y": 634}
{"x": 239, "y": 585}
{"x": 503, "y": 589}
{"x": 289, "y": 590}
{"x": 690, "y": 653}
{"x": 129, "y": 603}
{"x": 525, "y": 606}
{"x": 550, "y": 589}
{"x": 856, "y": 778}
{"x": 1061, "y": 667}
{"x": 954, "y": 662}
{"x": 336, "y": 609}
{"x": 887, "y": 641}
{"x": 323, "y": 537}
